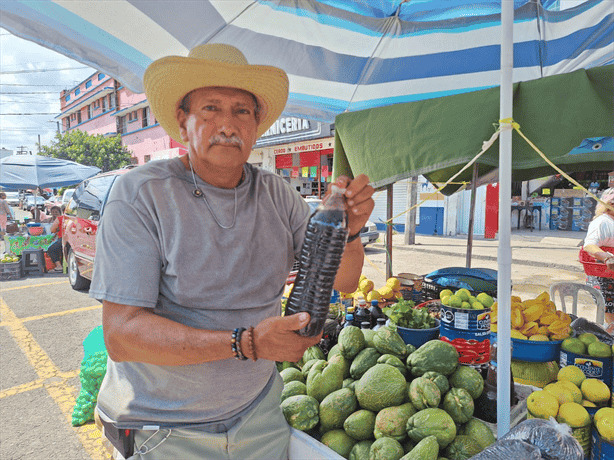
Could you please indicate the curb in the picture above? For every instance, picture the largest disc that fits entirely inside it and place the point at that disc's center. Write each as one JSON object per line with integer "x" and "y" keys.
{"x": 416, "y": 248}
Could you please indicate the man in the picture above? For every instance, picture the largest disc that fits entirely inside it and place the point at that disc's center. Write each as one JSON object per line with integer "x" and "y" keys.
{"x": 194, "y": 248}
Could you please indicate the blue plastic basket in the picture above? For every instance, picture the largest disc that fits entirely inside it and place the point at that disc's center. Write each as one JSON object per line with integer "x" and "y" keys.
{"x": 418, "y": 337}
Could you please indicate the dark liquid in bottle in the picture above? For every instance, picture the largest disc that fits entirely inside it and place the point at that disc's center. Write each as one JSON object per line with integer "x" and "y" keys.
{"x": 319, "y": 261}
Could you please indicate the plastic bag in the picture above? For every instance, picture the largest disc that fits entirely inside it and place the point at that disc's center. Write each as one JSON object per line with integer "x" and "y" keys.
{"x": 509, "y": 449}
{"x": 553, "y": 439}
{"x": 581, "y": 325}
{"x": 93, "y": 370}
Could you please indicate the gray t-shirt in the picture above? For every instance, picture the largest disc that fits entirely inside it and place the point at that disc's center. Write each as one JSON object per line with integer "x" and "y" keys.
{"x": 159, "y": 247}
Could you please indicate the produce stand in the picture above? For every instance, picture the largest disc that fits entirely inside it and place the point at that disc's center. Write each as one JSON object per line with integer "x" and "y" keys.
{"x": 17, "y": 243}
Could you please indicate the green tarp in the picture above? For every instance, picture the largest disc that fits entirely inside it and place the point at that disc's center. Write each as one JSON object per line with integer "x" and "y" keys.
{"x": 437, "y": 137}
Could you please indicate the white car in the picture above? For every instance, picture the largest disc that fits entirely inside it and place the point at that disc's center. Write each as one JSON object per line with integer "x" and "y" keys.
{"x": 12, "y": 198}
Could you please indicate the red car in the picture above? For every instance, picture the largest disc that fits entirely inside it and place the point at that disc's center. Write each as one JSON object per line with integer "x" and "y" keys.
{"x": 81, "y": 217}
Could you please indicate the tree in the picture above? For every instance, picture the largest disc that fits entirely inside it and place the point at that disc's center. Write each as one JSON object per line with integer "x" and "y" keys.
{"x": 107, "y": 153}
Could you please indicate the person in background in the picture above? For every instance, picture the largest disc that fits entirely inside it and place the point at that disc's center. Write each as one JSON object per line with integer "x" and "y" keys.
{"x": 600, "y": 234}
{"x": 41, "y": 215}
{"x": 55, "y": 250}
{"x": 5, "y": 212}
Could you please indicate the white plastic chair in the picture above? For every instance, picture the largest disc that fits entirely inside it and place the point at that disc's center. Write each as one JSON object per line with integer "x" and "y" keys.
{"x": 567, "y": 289}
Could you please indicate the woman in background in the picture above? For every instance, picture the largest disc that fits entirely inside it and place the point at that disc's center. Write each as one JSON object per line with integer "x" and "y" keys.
{"x": 5, "y": 212}
{"x": 55, "y": 250}
{"x": 601, "y": 234}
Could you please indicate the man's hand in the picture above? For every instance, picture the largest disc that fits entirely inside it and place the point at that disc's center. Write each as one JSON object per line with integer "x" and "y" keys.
{"x": 276, "y": 338}
{"x": 359, "y": 201}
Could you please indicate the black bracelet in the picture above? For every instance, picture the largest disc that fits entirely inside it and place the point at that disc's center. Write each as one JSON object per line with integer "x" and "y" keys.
{"x": 235, "y": 343}
{"x": 352, "y": 237}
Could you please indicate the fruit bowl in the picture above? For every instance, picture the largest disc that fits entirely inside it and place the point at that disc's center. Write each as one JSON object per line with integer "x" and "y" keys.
{"x": 35, "y": 231}
{"x": 533, "y": 350}
{"x": 418, "y": 337}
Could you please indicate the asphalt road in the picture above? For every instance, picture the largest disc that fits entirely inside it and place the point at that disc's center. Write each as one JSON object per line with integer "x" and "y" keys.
{"x": 44, "y": 323}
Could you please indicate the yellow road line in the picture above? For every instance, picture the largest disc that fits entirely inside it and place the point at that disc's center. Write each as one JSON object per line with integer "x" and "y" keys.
{"x": 55, "y": 381}
{"x": 35, "y": 384}
{"x": 33, "y": 285}
{"x": 59, "y": 313}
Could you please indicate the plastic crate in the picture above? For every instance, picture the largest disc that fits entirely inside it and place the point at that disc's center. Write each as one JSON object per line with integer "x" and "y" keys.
{"x": 594, "y": 268}
{"x": 475, "y": 280}
{"x": 10, "y": 271}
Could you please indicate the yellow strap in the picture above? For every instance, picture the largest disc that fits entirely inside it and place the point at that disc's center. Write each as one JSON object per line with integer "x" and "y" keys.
{"x": 559, "y": 170}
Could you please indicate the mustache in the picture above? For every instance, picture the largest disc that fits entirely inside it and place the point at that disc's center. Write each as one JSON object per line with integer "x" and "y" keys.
{"x": 233, "y": 140}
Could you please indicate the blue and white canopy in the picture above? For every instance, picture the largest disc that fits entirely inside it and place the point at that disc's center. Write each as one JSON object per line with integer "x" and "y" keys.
{"x": 340, "y": 55}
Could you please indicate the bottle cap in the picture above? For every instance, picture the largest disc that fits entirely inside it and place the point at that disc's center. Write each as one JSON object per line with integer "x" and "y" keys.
{"x": 375, "y": 303}
{"x": 381, "y": 320}
{"x": 351, "y": 309}
{"x": 349, "y": 317}
{"x": 365, "y": 325}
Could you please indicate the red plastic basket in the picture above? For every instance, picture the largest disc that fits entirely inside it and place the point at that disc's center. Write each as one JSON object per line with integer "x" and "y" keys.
{"x": 594, "y": 268}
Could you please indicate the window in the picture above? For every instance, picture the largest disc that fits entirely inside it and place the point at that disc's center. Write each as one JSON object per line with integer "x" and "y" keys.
{"x": 88, "y": 84}
{"x": 147, "y": 158}
{"x": 104, "y": 104}
{"x": 122, "y": 125}
{"x": 77, "y": 91}
{"x": 101, "y": 76}
{"x": 111, "y": 101}
{"x": 88, "y": 199}
{"x": 144, "y": 117}
{"x": 79, "y": 117}
{"x": 133, "y": 116}
{"x": 67, "y": 98}
{"x": 67, "y": 122}
{"x": 89, "y": 111}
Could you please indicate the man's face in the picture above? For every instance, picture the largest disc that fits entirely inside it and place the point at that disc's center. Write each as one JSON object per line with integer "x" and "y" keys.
{"x": 220, "y": 128}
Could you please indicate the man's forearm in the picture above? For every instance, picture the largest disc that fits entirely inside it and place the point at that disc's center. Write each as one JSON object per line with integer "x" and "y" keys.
{"x": 350, "y": 267}
{"x": 136, "y": 334}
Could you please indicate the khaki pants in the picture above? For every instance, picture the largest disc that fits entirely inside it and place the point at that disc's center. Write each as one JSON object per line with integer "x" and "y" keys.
{"x": 263, "y": 433}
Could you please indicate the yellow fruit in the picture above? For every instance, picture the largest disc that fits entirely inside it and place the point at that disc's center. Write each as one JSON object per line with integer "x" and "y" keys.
{"x": 561, "y": 392}
{"x": 586, "y": 403}
{"x": 515, "y": 298}
{"x": 373, "y": 295}
{"x": 548, "y": 318}
{"x": 544, "y": 297}
{"x": 596, "y": 391}
{"x": 463, "y": 294}
{"x": 574, "y": 390}
{"x": 517, "y": 335}
{"x": 605, "y": 426}
{"x": 574, "y": 415}
{"x": 571, "y": 374}
{"x": 493, "y": 328}
{"x": 517, "y": 318}
{"x": 542, "y": 404}
{"x": 366, "y": 286}
{"x": 362, "y": 277}
{"x": 603, "y": 412}
{"x": 386, "y": 292}
{"x": 529, "y": 328}
{"x": 533, "y": 313}
{"x": 394, "y": 283}
{"x": 539, "y": 338}
{"x": 445, "y": 293}
{"x": 445, "y": 300}
{"x": 455, "y": 301}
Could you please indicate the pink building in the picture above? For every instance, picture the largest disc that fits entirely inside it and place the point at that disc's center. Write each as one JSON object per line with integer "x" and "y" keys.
{"x": 101, "y": 105}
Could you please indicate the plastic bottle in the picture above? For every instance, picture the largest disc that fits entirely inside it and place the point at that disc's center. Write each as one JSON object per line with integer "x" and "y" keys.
{"x": 362, "y": 313}
{"x": 376, "y": 312}
{"x": 365, "y": 325}
{"x": 349, "y": 320}
{"x": 379, "y": 323}
{"x": 319, "y": 261}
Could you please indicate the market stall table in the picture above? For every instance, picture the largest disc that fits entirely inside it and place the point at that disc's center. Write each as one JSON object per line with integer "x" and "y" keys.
{"x": 17, "y": 243}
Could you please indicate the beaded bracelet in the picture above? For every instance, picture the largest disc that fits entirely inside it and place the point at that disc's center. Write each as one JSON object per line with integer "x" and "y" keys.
{"x": 250, "y": 343}
{"x": 235, "y": 343}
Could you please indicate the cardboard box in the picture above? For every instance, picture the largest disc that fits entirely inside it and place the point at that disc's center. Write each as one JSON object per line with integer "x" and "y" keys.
{"x": 568, "y": 193}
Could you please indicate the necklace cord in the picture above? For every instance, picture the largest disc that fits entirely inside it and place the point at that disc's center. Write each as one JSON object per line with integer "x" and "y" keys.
{"x": 198, "y": 193}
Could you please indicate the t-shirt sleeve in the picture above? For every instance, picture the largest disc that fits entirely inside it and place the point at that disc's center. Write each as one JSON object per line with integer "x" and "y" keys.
{"x": 127, "y": 266}
{"x": 596, "y": 233}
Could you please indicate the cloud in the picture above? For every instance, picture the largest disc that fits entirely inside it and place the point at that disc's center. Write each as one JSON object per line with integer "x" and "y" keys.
{"x": 20, "y": 55}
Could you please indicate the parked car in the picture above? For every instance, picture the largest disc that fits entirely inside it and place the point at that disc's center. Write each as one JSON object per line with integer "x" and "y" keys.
{"x": 66, "y": 196}
{"x": 51, "y": 202}
{"x": 12, "y": 198}
{"x": 30, "y": 201}
{"x": 83, "y": 211}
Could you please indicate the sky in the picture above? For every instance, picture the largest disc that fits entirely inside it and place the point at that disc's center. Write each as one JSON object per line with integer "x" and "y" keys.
{"x": 31, "y": 79}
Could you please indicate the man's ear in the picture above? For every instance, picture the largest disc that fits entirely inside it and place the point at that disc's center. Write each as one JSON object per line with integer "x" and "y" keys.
{"x": 181, "y": 118}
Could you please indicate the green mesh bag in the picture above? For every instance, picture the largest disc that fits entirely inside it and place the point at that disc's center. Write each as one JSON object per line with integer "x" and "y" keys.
{"x": 93, "y": 369}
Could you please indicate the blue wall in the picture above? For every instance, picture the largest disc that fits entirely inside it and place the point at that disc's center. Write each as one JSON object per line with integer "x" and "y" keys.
{"x": 431, "y": 219}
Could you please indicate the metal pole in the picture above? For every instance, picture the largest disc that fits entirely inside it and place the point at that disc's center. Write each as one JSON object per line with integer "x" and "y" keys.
{"x": 389, "y": 232}
{"x": 474, "y": 181}
{"x": 504, "y": 256}
{"x": 410, "y": 217}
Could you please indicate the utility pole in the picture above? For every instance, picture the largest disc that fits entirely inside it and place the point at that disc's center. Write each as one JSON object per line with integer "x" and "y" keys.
{"x": 39, "y": 143}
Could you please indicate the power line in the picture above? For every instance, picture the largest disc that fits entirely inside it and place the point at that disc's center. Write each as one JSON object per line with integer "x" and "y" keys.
{"x": 13, "y": 72}
{"x": 22, "y": 84}
{"x": 33, "y": 92}
{"x": 41, "y": 113}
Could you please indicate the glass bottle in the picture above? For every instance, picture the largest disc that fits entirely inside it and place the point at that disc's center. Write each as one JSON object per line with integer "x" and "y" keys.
{"x": 376, "y": 312}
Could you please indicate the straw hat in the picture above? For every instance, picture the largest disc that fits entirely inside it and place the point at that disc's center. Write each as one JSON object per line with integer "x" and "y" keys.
{"x": 169, "y": 79}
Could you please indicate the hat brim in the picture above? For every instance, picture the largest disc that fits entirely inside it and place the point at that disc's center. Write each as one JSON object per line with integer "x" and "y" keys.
{"x": 169, "y": 79}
